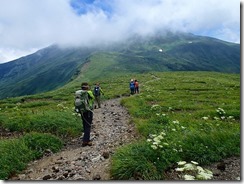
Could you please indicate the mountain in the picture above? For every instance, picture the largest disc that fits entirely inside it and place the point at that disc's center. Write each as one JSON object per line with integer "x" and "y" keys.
{"x": 52, "y": 67}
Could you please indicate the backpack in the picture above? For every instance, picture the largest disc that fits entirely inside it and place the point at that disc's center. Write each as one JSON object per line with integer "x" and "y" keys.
{"x": 136, "y": 84}
{"x": 81, "y": 101}
{"x": 96, "y": 91}
{"x": 132, "y": 85}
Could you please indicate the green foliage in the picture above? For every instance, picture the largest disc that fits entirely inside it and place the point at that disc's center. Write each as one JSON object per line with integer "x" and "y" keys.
{"x": 14, "y": 156}
{"x": 138, "y": 161}
{"x": 211, "y": 146}
{"x": 182, "y": 104}
{"x": 39, "y": 142}
{"x": 59, "y": 122}
{"x": 198, "y": 111}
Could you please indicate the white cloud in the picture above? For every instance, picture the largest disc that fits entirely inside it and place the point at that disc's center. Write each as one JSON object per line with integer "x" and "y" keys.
{"x": 29, "y": 24}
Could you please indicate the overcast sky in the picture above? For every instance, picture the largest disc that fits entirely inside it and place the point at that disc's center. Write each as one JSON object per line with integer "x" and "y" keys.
{"x": 29, "y": 25}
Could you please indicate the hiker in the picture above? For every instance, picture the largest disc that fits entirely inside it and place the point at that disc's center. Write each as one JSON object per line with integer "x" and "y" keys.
{"x": 136, "y": 87}
{"x": 132, "y": 87}
{"x": 86, "y": 112}
{"x": 97, "y": 94}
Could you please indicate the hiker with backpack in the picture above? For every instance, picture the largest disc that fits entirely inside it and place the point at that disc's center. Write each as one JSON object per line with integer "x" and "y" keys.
{"x": 132, "y": 87}
{"x": 84, "y": 100}
{"x": 136, "y": 87}
{"x": 97, "y": 94}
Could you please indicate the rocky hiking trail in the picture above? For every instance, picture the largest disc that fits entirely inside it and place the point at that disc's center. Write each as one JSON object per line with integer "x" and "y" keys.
{"x": 110, "y": 129}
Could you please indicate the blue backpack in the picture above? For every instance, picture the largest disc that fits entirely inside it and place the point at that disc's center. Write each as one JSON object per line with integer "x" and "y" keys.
{"x": 132, "y": 85}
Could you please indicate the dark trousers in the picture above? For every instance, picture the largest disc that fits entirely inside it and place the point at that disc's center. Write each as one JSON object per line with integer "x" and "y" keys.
{"x": 136, "y": 89}
{"x": 98, "y": 100}
{"x": 87, "y": 121}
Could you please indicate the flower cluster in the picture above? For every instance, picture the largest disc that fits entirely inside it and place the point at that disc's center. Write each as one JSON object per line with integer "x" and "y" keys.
{"x": 62, "y": 107}
{"x": 157, "y": 141}
{"x": 221, "y": 115}
{"x": 191, "y": 171}
{"x": 220, "y": 111}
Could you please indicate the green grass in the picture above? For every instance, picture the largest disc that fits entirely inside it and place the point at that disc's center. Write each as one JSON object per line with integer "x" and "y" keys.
{"x": 183, "y": 105}
{"x": 16, "y": 153}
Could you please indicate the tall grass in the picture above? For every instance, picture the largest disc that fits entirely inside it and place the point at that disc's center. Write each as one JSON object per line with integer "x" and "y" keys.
{"x": 15, "y": 154}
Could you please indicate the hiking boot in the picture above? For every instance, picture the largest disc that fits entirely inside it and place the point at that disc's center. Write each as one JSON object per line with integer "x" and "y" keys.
{"x": 86, "y": 144}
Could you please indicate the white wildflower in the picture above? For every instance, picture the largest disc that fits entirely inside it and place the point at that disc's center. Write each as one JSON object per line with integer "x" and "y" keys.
{"x": 189, "y": 177}
{"x": 195, "y": 163}
{"x": 222, "y": 117}
{"x": 179, "y": 169}
{"x": 200, "y": 169}
{"x": 189, "y": 167}
{"x": 154, "y": 147}
{"x": 176, "y": 122}
{"x": 156, "y": 139}
{"x": 204, "y": 176}
{"x": 154, "y": 106}
{"x": 162, "y": 133}
{"x": 181, "y": 163}
{"x": 160, "y": 137}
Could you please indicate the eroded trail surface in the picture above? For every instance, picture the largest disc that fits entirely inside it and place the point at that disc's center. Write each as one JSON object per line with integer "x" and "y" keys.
{"x": 110, "y": 129}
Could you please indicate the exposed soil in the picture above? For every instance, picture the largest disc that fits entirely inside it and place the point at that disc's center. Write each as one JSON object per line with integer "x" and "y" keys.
{"x": 111, "y": 129}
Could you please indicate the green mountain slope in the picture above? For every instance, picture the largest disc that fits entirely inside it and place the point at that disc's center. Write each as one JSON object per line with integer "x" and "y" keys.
{"x": 53, "y": 67}
{"x": 42, "y": 71}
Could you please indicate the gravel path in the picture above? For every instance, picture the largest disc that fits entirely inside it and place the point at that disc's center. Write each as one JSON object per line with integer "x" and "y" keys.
{"x": 110, "y": 129}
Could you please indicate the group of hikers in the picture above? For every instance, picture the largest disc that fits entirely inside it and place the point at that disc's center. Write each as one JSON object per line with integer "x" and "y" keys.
{"x": 86, "y": 100}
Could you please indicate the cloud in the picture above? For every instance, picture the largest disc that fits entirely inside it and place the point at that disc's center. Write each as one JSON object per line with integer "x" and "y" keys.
{"x": 31, "y": 24}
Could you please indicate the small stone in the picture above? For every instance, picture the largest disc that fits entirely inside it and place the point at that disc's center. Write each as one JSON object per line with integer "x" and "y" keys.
{"x": 47, "y": 177}
{"x": 105, "y": 154}
{"x": 97, "y": 177}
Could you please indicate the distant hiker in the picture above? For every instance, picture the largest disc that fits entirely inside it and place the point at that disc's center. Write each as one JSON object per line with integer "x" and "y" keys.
{"x": 136, "y": 86}
{"x": 84, "y": 105}
{"x": 97, "y": 94}
{"x": 132, "y": 87}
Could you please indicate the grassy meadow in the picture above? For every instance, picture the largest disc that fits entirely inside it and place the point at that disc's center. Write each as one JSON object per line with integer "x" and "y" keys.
{"x": 190, "y": 116}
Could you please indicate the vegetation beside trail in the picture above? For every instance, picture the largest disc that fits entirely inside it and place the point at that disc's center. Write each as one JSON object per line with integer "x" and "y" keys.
{"x": 198, "y": 113}
{"x": 189, "y": 116}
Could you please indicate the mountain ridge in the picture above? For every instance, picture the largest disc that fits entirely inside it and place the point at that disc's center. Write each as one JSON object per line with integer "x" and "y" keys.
{"x": 54, "y": 66}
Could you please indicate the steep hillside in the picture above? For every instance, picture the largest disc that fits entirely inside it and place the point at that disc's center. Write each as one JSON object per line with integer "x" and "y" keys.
{"x": 42, "y": 71}
{"x": 53, "y": 67}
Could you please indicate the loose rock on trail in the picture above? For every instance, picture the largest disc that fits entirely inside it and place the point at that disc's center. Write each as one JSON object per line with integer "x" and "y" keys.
{"x": 110, "y": 130}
